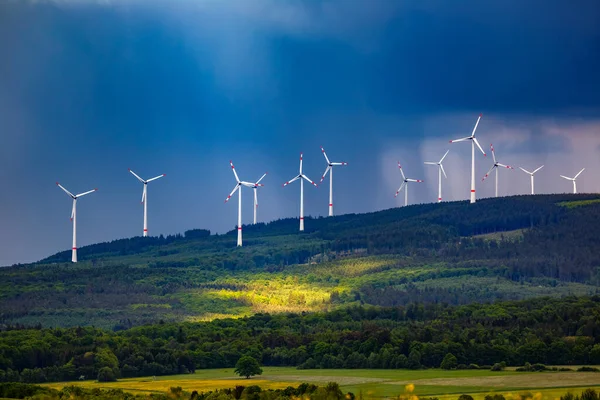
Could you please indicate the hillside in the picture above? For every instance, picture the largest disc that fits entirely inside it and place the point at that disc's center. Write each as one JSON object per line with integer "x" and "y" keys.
{"x": 497, "y": 249}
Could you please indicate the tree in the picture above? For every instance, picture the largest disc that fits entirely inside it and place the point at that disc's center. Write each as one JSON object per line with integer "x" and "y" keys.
{"x": 247, "y": 366}
{"x": 449, "y": 362}
{"x": 106, "y": 374}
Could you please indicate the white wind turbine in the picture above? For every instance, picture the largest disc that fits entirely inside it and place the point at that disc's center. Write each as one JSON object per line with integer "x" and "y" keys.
{"x": 473, "y": 143}
{"x": 238, "y": 186}
{"x": 574, "y": 179}
{"x": 302, "y": 177}
{"x": 255, "y": 186}
{"x": 329, "y": 169}
{"x": 495, "y": 167}
{"x": 531, "y": 174}
{"x": 404, "y": 185}
{"x": 440, "y": 171}
{"x": 74, "y": 218}
{"x": 145, "y": 198}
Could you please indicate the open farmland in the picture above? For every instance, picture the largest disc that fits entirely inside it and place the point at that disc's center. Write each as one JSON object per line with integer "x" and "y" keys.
{"x": 372, "y": 383}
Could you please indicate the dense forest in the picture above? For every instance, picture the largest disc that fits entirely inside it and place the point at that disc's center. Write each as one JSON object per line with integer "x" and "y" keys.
{"x": 550, "y": 331}
{"x": 497, "y": 249}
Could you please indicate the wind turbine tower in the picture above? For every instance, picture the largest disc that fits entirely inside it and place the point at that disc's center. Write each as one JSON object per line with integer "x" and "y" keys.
{"x": 531, "y": 174}
{"x": 74, "y": 218}
{"x": 302, "y": 178}
{"x": 440, "y": 172}
{"x": 145, "y": 198}
{"x": 329, "y": 170}
{"x": 473, "y": 143}
{"x": 574, "y": 179}
{"x": 404, "y": 185}
{"x": 238, "y": 186}
{"x": 495, "y": 167}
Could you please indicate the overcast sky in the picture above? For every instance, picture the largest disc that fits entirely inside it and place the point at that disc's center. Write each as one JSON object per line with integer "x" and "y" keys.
{"x": 89, "y": 89}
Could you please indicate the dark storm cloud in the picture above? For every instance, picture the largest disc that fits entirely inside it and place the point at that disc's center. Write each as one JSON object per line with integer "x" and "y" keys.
{"x": 91, "y": 88}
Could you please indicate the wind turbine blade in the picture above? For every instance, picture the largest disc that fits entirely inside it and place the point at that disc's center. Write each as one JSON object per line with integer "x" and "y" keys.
{"x": 339, "y": 163}
{"x": 232, "y": 193}
{"x": 402, "y": 172}
{"x": 249, "y": 184}
{"x": 504, "y": 165}
{"x": 443, "y": 172}
{"x": 536, "y": 169}
{"x": 414, "y": 180}
{"x": 308, "y": 180}
{"x": 477, "y": 143}
{"x": 489, "y": 172}
{"x": 430, "y": 163}
{"x": 255, "y": 198}
{"x": 400, "y": 188}
{"x": 300, "y": 164}
{"x": 73, "y": 210}
{"x": 261, "y": 178}
{"x": 292, "y": 180}
{"x": 566, "y": 177}
{"x": 325, "y": 154}
{"x": 144, "y": 193}
{"x": 447, "y": 151}
{"x": 155, "y": 178}
{"x": 460, "y": 140}
{"x": 234, "y": 173}
{"x": 530, "y": 173}
{"x": 325, "y": 173}
{"x": 579, "y": 173}
{"x": 475, "y": 128}
{"x": 493, "y": 153}
{"x": 65, "y": 190}
{"x": 136, "y": 175}
{"x": 84, "y": 193}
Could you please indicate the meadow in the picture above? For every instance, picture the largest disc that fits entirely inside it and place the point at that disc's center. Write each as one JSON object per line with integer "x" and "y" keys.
{"x": 372, "y": 383}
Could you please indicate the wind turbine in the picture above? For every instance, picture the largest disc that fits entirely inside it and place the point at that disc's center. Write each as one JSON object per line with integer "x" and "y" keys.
{"x": 495, "y": 167}
{"x": 255, "y": 186}
{"x": 531, "y": 174}
{"x": 574, "y": 179}
{"x": 302, "y": 177}
{"x": 404, "y": 185}
{"x": 473, "y": 143}
{"x": 239, "y": 185}
{"x": 440, "y": 171}
{"x": 74, "y": 218}
{"x": 145, "y": 198}
{"x": 329, "y": 169}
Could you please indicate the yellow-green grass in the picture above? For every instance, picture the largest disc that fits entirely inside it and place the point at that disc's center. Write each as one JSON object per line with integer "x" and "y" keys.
{"x": 578, "y": 203}
{"x": 446, "y": 385}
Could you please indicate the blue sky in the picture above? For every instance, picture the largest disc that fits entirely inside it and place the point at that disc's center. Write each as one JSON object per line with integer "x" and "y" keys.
{"x": 89, "y": 89}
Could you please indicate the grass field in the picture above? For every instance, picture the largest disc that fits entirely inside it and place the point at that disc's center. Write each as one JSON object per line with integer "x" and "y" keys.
{"x": 374, "y": 383}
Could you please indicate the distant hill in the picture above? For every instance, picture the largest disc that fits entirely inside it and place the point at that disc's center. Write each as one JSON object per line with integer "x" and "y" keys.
{"x": 505, "y": 248}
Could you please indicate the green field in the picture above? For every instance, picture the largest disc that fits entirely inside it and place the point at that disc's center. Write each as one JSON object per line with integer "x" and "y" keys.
{"x": 372, "y": 383}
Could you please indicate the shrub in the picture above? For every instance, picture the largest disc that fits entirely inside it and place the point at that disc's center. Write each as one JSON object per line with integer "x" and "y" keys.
{"x": 465, "y": 397}
{"x": 106, "y": 374}
{"x": 449, "y": 362}
{"x": 498, "y": 366}
{"x": 588, "y": 369}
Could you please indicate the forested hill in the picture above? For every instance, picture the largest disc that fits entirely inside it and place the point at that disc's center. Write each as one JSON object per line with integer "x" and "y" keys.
{"x": 505, "y": 248}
